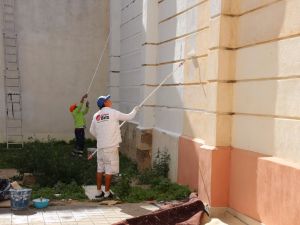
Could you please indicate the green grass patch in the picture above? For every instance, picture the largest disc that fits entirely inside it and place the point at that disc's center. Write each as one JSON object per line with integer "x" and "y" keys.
{"x": 58, "y": 172}
{"x": 8, "y": 156}
{"x": 51, "y": 162}
{"x": 151, "y": 184}
{"x": 65, "y": 191}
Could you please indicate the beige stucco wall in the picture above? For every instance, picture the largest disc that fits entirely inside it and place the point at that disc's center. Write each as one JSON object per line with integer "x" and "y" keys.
{"x": 60, "y": 42}
{"x": 266, "y": 94}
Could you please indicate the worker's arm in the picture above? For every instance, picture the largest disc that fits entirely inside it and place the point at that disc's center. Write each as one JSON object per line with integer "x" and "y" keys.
{"x": 129, "y": 116}
{"x": 87, "y": 104}
{"x": 81, "y": 102}
{"x": 93, "y": 128}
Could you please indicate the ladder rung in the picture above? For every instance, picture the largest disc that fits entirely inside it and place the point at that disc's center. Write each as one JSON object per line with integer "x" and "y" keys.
{"x": 15, "y": 143}
{"x": 12, "y": 78}
{"x": 11, "y": 69}
{"x": 9, "y": 21}
{"x": 8, "y": 45}
{"x": 13, "y": 94}
{"x": 10, "y": 35}
{"x": 8, "y": 5}
{"x": 15, "y": 135}
{"x": 12, "y": 86}
{"x": 13, "y": 127}
{"x": 8, "y": 13}
{"x": 9, "y": 29}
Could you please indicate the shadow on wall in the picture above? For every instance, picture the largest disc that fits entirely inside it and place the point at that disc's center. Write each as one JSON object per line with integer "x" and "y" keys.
{"x": 175, "y": 100}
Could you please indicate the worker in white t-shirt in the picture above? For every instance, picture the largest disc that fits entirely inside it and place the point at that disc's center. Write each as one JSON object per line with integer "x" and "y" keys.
{"x": 106, "y": 129}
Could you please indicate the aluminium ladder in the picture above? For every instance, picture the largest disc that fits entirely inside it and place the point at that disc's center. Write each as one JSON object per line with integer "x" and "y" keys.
{"x": 12, "y": 81}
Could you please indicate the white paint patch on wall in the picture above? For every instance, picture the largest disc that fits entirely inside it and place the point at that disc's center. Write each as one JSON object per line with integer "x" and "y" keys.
{"x": 165, "y": 70}
{"x": 196, "y": 18}
{"x": 164, "y": 141}
{"x": 131, "y": 77}
{"x": 215, "y": 7}
{"x": 170, "y": 96}
{"x": 115, "y": 62}
{"x": 131, "y": 38}
{"x": 169, "y": 8}
{"x": 176, "y": 50}
{"x": 146, "y": 117}
{"x": 130, "y": 94}
{"x": 131, "y": 61}
{"x": 131, "y": 44}
{"x": 133, "y": 10}
{"x": 169, "y": 119}
{"x": 131, "y": 28}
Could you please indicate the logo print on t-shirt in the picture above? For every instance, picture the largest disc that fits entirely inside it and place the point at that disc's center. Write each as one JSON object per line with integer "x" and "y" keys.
{"x": 98, "y": 117}
{"x": 104, "y": 116}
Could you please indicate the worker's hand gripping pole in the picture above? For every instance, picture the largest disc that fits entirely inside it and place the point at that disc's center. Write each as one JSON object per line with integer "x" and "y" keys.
{"x": 143, "y": 102}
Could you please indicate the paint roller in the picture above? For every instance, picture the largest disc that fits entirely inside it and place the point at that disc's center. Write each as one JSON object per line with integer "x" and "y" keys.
{"x": 192, "y": 55}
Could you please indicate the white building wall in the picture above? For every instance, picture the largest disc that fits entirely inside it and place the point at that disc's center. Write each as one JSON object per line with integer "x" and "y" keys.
{"x": 155, "y": 36}
{"x": 60, "y": 42}
{"x": 114, "y": 52}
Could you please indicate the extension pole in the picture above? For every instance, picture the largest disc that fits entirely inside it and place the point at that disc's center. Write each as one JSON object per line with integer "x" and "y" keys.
{"x": 143, "y": 102}
{"x": 100, "y": 59}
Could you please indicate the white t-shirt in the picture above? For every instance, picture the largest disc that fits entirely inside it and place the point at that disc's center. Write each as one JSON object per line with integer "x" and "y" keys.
{"x": 105, "y": 126}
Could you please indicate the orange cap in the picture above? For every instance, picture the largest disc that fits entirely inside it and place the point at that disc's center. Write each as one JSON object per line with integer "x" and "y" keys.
{"x": 72, "y": 107}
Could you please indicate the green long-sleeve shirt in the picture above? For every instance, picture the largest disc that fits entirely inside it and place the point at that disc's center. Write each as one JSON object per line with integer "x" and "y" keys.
{"x": 78, "y": 115}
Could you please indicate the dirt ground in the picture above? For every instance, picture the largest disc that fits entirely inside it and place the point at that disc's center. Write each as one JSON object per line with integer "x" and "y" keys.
{"x": 8, "y": 173}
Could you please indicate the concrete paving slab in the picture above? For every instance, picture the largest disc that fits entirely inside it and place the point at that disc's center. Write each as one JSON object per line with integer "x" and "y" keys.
{"x": 91, "y": 191}
{"x": 82, "y": 214}
{"x": 93, "y": 214}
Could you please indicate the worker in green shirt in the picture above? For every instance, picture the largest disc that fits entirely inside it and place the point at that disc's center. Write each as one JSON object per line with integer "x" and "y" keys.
{"x": 78, "y": 114}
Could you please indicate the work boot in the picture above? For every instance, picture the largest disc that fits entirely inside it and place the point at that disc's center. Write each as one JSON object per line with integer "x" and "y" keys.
{"x": 77, "y": 152}
{"x": 109, "y": 195}
{"x": 99, "y": 196}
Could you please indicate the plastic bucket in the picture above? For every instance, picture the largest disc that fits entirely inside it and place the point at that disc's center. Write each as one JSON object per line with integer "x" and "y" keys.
{"x": 20, "y": 199}
{"x": 40, "y": 203}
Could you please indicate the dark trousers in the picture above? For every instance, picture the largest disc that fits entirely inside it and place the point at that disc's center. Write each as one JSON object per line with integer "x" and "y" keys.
{"x": 80, "y": 138}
